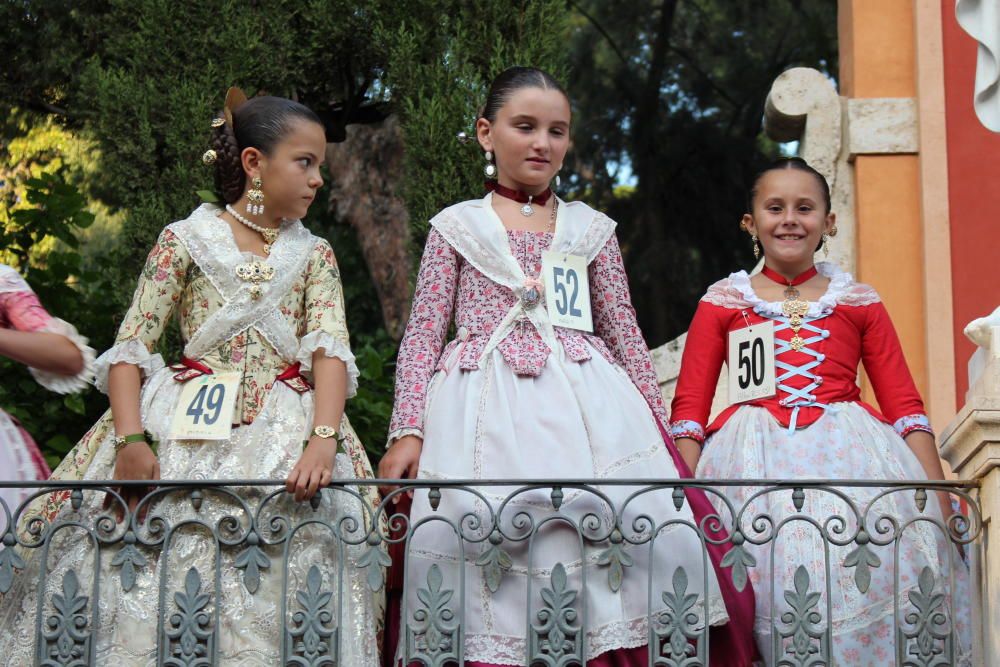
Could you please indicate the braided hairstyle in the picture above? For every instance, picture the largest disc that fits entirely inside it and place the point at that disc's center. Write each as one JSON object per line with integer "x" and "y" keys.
{"x": 261, "y": 123}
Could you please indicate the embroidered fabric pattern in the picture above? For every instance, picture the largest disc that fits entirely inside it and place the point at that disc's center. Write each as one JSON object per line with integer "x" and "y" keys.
{"x": 686, "y": 428}
{"x": 910, "y": 423}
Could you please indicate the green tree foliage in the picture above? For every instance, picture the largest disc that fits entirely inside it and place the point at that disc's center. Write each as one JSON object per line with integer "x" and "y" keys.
{"x": 54, "y": 214}
{"x": 439, "y": 72}
{"x": 669, "y": 96}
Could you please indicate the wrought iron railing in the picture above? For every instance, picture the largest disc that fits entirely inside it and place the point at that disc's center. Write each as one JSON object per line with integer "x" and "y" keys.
{"x": 252, "y": 530}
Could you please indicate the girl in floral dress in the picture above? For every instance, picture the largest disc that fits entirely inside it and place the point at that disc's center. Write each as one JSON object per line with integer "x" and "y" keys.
{"x": 259, "y": 301}
{"x": 59, "y": 359}
{"x": 815, "y": 426}
{"x": 515, "y": 396}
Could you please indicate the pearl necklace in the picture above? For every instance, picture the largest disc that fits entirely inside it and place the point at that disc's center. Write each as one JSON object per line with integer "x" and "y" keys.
{"x": 270, "y": 234}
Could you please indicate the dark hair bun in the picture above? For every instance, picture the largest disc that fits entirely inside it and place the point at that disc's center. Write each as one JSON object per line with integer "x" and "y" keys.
{"x": 261, "y": 123}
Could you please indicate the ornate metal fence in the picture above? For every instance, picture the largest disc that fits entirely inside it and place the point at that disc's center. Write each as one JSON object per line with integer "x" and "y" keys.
{"x": 251, "y": 531}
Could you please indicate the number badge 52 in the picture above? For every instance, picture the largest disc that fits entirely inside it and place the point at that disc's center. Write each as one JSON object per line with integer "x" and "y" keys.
{"x": 751, "y": 363}
{"x": 567, "y": 290}
{"x": 205, "y": 408}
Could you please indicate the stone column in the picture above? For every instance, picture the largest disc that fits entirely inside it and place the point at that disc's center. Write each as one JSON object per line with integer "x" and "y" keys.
{"x": 971, "y": 444}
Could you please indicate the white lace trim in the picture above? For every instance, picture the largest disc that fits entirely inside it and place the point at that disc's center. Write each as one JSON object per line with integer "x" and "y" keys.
{"x": 736, "y": 292}
{"x": 510, "y": 650}
{"x": 332, "y": 348}
{"x": 67, "y": 384}
{"x": 132, "y": 351}
{"x": 210, "y": 243}
{"x": 12, "y": 281}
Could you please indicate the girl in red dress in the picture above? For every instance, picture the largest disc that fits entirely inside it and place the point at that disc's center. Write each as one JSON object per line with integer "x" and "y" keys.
{"x": 813, "y": 425}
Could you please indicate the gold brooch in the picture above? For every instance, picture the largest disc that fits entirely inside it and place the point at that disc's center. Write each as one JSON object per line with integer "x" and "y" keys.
{"x": 255, "y": 273}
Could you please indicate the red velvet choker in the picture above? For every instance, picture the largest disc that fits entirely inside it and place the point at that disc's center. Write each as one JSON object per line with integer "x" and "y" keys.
{"x": 782, "y": 280}
{"x": 519, "y": 195}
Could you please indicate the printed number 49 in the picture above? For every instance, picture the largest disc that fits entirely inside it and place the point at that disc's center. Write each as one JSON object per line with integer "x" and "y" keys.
{"x": 214, "y": 404}
{"x": 566, "y": 302}
{"x": 751, "y": 365}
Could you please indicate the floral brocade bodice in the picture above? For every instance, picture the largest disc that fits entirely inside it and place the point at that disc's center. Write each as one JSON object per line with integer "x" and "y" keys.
{"x": 480, "y": 304}
{"x": 450, "y": 290}
{"x": 308, "y": 308}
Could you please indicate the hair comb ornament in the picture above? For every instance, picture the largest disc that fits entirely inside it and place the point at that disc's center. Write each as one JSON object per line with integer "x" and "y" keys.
{"x": 234, "y": 99}
{"x": 209, "y": 157}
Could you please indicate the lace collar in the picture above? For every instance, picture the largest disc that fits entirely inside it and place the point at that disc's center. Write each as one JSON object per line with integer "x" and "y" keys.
{"x": 736, "y": 292}
{"x": 11, "y": 280}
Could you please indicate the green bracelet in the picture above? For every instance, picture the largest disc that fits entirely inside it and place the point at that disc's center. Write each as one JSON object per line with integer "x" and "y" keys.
{"x": 122, "y": 440}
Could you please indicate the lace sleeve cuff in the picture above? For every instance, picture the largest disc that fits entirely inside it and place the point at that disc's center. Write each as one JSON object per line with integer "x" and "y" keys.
{"x": 685, "y": 428}
{"x": 131, "y": 351}
{"x": 332, "y": 348}
{"x": 910, "y": 423}
{"x": 400, "y": 432}
{"x": 67, "y": 384}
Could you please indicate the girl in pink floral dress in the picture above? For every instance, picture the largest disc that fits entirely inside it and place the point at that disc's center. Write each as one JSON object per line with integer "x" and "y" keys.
{"x": 514, "y": 395}
{"x": 59, "y": 359}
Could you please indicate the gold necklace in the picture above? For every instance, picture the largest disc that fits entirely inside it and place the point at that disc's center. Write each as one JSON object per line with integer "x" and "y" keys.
{"x": 794, "y": 307}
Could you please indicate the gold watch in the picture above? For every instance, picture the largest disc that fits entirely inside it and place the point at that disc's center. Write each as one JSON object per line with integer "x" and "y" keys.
{"x": 325, "y": 431}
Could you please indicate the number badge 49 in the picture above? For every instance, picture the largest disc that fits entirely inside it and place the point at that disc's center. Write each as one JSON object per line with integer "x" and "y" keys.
{"x": 567, "y": 290}
{"x": 751, "y": 363}
{"x": 205, "y": 408}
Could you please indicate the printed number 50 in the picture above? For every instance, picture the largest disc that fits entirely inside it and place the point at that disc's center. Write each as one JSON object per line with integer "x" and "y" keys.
{"x": 751, "y": 365}
{"x": 214, "y": 403}
{"x": 566, "y": 302}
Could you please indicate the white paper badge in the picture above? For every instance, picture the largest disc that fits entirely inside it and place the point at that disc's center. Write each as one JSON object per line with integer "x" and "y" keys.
{"x": 205, "y": 408}
{"x": 567, "y": 290}
{"x": 751, "y": 363}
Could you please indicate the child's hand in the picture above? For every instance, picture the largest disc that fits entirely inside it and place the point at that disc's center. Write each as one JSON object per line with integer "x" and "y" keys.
{"x": 136, "y": 460}
{"x": 314, "y": 468}
{"x": 400, "y": 462}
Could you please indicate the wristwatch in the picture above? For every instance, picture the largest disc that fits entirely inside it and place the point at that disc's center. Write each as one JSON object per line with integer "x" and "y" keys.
{"x": 325, "y": 431}
{"x": 122, "y": 440}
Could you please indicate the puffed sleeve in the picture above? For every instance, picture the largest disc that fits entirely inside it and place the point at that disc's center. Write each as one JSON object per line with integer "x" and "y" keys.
{"x": 156, "y": 295}
{"x": 882, "y": 356}
{"x": 22, "y": 310}
{"x": 423, "y": 341}
{"x": 615, "y": 323}
{"x": 704, "y": 354}
{"x": 326, "y": 322}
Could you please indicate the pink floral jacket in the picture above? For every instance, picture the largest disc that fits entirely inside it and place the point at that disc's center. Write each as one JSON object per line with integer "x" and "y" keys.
{"x": 449, "y": 286}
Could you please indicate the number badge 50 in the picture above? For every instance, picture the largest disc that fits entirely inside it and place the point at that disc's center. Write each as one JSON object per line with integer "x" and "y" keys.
{"x": 751, "y": 363}
{"x": 205, "y": 408}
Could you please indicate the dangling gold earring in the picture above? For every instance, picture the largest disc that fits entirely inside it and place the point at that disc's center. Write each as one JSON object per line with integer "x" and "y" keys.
{"x": 756, "y": 247}
{"x": 490, "y": 170}
{"x": 826, "y": 244}
{"x": 255, "y": 198}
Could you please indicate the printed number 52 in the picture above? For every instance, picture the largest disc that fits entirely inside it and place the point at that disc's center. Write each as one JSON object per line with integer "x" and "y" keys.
{"x": 566, "y": 302}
